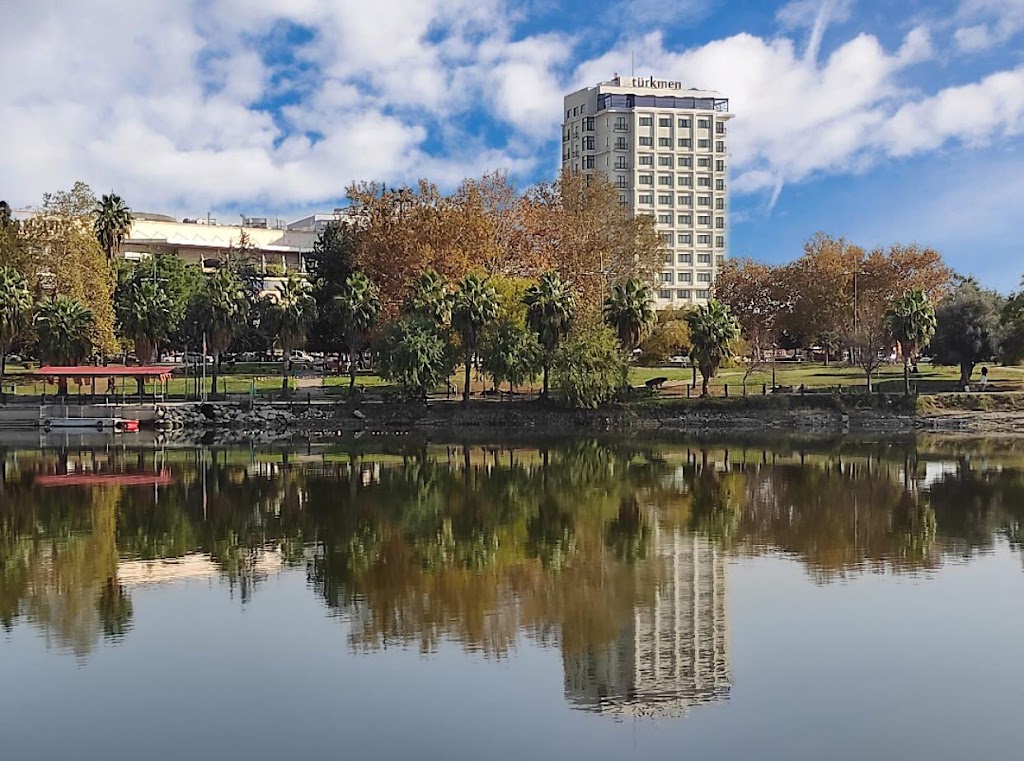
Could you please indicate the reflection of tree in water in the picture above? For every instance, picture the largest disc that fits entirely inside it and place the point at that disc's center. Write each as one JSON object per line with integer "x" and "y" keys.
{"x": 628, "y": 533}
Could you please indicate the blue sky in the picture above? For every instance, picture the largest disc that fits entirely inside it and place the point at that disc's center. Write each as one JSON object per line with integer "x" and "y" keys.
{"x": 881, "y": 121}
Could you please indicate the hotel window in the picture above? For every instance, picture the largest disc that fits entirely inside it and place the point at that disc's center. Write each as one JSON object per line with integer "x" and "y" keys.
{"x": 685, "y": 277}
{"x": 703, "y": 143}
{"x": 684, "y": 122}
{"x": 703, "y": 200}
{"x": 645, "y": 179}
{"x": 665, "y": 179}
{"x": 664, "y": 121}
{"x": 719, "y": 165}
{"x": 621, "y": 181}
{"x": 703, "y": 182}
{"x": 719, "y": 241}
{"x": 588, "y": 143}
{"x": 686, "y": 161}
{"x": 666, "y": 239}
{"x": 704, "y": 240}
{"x": 588, "y": 162}
{"x": 575, "y": 111}
{"x": 720, "y": 223}
{"x": 704, "y": 123}
{"x": 684, "y": 219}
{"x": 588, "y": 124}
{"x": 683, "y": 294}
{"x": 703, "y": 258}
{"x": 686, "y": 200}
{"x": 647, "y": 141}
{"x": 663, "y": 294}
{"x": 623, "y": 202}
{"x": 645, "y": 121}
{"x": 621, "y": 163}
{"x": 646, "y": 198}
{"x": 719, "y": 184}
{"x": 621, "y": 125}
{"x": 664, "y": 142}
{"x": 703, "y": 277}
{"x": 684, "y": 239}
{"x": 719, "y": 260}
{"x": 647, "y": 160}
{"x": 684, "y": 142}
{"x": 720, "y": 146}
{"x": 720, "y": 128}
{"x": 666, "y": 277}
{"x": 703, "y": 294}
{"x": 668, "y": 257}
{"x": 664, "y": 200}
{"x": 685, "y": 181}
{"x": 719, "y": 203}
{"x": 703, "y": 219}
{"x": 665, "y": 219}
{"x": 620, "y": 144}
{"x": 686, "y": 258}
{"x": 703, "y": 161}
{"x": 664, "y": 161}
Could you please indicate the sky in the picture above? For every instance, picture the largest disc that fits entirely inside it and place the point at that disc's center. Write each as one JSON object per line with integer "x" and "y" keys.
{"x": 877, "y": 120}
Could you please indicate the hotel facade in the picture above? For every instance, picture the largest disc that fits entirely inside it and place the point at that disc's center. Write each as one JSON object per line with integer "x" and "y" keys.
{"x": 665, "y": 149}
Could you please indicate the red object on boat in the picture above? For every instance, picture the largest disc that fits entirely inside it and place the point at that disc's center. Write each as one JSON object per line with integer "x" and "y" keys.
{"x": 128, "y": 426}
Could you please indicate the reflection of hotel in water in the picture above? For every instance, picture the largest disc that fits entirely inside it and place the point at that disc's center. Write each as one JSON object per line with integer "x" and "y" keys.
{"x": 673, "y": 654}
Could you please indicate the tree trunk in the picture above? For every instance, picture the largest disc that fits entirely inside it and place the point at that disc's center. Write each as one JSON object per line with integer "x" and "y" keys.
{"x": 704, "y": 384}
{"x": 213, "y": 373}
{"x": 465, "y": 390}
{"x": 353, "y": 358}
{"x": 3, "y": 372}
{"x": 906, "y": 376}
{"x": 867, "y": 374}
{"x": 544, "y": 387}
{"x": 285, "y": 367}
{"x": 966, "y": 369}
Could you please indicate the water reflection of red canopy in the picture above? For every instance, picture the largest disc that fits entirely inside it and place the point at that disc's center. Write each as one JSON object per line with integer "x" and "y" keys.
{"x": 163, "y": 478}
{"x": 157, "y": 372}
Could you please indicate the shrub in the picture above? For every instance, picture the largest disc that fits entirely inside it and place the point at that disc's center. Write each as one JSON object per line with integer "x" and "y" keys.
{"x": 589, "y": 367}
{"x": 414, "y": 353}
{"x": 510, "y": 353}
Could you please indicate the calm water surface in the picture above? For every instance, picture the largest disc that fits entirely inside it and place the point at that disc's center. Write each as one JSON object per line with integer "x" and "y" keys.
{"x": 588, "y": 600}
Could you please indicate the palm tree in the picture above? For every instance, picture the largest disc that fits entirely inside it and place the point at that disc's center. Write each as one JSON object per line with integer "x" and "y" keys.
{"x": 221, "y": 308}
{"x": 65, "y": 329}
{"x": 712, "y": 334}
{"x": 15, "y": 312}
{"x": 359, "y": 307}
{"x": 629, "y": 311}
{"x": 294, "y": 312}
{"x": 145, "y": 314}
{"x": 431, "y": 298}
{"x": 475, "y": 307}
{"x": 112, "y": 221}
{"x": 550, "y": 311}
{"x": 911, "y": 321}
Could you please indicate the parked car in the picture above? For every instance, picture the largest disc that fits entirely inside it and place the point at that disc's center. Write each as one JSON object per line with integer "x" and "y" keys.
{"x": 302, "y": 359}
{"x": 194, "y": 358}
{"x": 14, "y": 359}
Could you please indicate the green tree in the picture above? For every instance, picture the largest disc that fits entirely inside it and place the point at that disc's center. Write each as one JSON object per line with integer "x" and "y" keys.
{"x": 968, "y": 329}
{"x": 65, "y": 331}
{"x": 550, "y": 311}
{"x": 112, "y": 221}
{"x": 145, "y": 316}
{"x": 669, "y": 338}
{"x": 219, "y": 311}
{"x": 510, "y": 353}
{"x": 475, "y": 307}
{"x": 15, "y": 312}
{"x": 713, "y": 331}
{"x": 629, "y": 311}
{"x": 431, "y": 298}
{"x": 329, "y": 266}
{"x": 359, "y": 307}
{"x": 910, "y": 320}
{"x": 416, "y": 354}
{"x": 1012, "y": 323}
{"x": 589, "y": 367}
{"x": 294, "y": 312}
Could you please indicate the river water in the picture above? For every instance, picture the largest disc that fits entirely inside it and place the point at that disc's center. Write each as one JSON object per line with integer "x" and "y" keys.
{"x": 391, "y": 599}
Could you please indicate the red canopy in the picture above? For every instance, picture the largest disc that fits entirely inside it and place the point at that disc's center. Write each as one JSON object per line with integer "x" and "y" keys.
{"x": 160, "y": 372}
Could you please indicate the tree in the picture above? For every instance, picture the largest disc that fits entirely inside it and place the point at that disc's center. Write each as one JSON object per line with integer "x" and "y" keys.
{"x": 1012, "y": 323}
{"x": 145, "y": 315}
{"x": 550, "y": 311}
{"x": 669, "y": 338}
{"x": 293, "y": 312}
{"x": 65, "y": 330}
{"x": 359, "y": 307}
{"x": 431, "y": 298}
{"x": 510, "y": 353}
{"x": 112, "y": 221}
{"x": 329, "y": 266}
{"x": 475, "y": 307}
{"x": 219, "y": 312}
{"x": 629, "y": 311}
{"x": 910, "y": 320}
{"x": 713, "y": 332}
{"x": 12, "y": 253}
{"x": 589, "y": 366}
{"x": 968, "y": 329}
{"x": 15, "y": 312}
{"x": 758, "y": 299}
{"x": 414, "y": 353}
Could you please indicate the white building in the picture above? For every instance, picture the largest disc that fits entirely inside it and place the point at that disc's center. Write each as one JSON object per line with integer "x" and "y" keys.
{"x": 664, "y": 148}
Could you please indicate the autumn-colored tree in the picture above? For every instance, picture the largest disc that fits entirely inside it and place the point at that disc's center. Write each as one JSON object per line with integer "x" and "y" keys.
{"x": 577, "y": 227}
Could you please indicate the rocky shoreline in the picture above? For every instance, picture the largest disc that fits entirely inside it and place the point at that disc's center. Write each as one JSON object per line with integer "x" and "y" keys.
{"x": 227, "y": 422}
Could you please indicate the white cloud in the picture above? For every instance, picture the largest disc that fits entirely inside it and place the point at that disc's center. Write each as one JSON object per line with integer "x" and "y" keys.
{"x": 988, "y": 23}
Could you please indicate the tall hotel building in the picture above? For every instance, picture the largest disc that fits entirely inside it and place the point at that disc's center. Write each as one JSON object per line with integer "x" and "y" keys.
{"x": 664, "y": 148}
